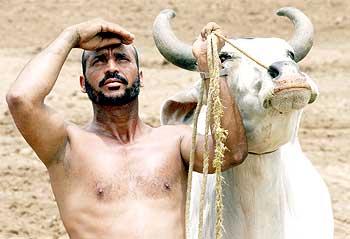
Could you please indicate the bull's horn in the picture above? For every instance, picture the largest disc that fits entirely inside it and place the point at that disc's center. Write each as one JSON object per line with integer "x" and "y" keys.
{"x": 175, "y": 51}
{"x": 302, "y": 39}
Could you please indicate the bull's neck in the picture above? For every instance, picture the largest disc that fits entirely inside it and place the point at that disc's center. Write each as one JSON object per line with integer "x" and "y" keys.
{"x": 264, "y": 166}
{"x": 258, "y": 189}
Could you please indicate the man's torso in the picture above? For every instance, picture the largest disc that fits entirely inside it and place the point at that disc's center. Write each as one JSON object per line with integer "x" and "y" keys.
{"x": 108, "y": 190}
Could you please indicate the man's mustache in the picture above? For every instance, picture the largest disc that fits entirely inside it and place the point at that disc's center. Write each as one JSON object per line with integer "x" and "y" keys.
{"x": 113, "y": 75}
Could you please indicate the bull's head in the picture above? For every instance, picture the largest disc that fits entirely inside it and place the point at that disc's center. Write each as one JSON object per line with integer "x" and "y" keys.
{"x": 270, "y": 100}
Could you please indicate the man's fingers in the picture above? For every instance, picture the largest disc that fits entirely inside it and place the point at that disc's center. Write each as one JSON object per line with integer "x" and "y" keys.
{"x": 99, "y": 42}
{"x": 108, "y": 35}
{"x": 209, "y": 28}
{"x": 124, "y": 35}
{"x": 212, "y": 26}
{"x": 108, "y": 41}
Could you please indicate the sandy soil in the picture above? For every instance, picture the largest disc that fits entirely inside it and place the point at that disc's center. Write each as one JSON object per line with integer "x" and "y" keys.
{"x": 27, "y": 206}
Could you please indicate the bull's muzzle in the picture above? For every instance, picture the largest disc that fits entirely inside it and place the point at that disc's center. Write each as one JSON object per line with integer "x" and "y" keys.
{"x": 289, "y": 82}
{"x": 287, "y": 76}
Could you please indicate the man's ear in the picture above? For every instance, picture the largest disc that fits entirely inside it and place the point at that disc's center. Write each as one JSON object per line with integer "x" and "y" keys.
{"x": 141, "y": 78}
{"x": 82, "y": 84}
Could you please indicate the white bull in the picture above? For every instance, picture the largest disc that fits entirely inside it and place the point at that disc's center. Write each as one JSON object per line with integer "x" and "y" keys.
{"x": 276, "y": 193}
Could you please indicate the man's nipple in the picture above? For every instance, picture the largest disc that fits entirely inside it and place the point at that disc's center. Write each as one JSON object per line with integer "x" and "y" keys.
{"x": 167, "y": 186}
{"x": 100, "y": 190}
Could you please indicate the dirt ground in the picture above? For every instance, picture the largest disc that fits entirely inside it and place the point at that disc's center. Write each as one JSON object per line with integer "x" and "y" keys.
{"x": 27, "y": 205}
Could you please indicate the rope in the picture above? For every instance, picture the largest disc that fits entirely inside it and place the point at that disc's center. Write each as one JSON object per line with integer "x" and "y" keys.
{"x": 214, "y": 111}
{"x": 240, "y": 50}
{"x": 220, "y": 134}
{"x": 205, "y": 166}
{"x": 191, "y": 163}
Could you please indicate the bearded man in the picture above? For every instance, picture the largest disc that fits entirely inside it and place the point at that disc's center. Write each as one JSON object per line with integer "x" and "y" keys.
{"x": 116, "y": 177}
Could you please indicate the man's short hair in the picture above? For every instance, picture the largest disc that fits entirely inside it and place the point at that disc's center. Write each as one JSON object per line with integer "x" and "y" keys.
{"x": 84, "y": 58}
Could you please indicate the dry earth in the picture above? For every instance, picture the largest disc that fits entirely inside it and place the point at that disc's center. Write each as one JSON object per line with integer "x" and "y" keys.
{"x": 27, "y": 206}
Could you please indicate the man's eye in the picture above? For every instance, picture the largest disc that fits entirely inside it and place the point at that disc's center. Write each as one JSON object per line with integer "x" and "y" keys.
{"x": 122, "y": 57}
{"x": 97, "y": 60}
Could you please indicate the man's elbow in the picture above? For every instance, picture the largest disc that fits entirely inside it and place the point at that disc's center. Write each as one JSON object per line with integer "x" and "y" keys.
{"x": 236, "y": 158}
{"x": 239, "y": 156}
{"x": 16, "y": 100}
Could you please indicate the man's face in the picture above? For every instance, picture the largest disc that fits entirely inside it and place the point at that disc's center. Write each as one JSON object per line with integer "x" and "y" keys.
{"x": 112, "y": 75}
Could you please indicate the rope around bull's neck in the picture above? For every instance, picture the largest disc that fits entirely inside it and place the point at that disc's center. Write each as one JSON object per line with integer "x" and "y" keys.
{"x": 214, "y": 111}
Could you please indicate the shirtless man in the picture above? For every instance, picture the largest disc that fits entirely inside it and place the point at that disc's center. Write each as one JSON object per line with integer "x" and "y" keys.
{"x": 116, "y": 177}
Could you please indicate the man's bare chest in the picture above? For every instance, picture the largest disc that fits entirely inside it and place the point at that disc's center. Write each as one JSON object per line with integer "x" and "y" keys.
{"x": 137, "y": 171}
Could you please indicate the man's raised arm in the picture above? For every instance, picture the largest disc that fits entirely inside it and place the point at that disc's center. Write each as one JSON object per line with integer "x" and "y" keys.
{"x": 43, "y": 129}
{"x": 236, "y": 140}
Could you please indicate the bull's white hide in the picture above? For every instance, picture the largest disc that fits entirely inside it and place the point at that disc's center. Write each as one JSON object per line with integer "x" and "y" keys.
{"x": 275, "y": 193}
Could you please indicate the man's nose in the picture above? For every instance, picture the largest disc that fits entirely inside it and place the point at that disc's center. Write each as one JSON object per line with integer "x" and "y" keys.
{"x": 112, "y": 66}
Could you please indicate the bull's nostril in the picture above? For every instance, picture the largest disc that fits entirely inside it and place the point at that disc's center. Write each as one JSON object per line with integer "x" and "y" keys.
{"x": 273, "y": 72}
{"x": 267, "y": 103}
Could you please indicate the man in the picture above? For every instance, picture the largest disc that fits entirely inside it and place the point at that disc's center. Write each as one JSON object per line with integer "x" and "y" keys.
{"x": 116, "y": 177}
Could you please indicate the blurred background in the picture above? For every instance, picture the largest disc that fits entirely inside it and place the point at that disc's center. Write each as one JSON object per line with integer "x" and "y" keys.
{"x": 27, "y": 205}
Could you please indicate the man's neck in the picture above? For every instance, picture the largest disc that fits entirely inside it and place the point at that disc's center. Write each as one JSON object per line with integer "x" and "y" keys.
{"x": 120, "y": 122}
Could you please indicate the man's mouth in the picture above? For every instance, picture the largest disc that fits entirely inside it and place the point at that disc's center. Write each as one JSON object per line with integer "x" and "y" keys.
{"x": 113, "y": 84}
{"x": 113, "y": 81}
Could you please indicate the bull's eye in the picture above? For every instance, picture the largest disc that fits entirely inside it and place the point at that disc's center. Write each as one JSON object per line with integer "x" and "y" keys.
{"x": 225, "y": 56}
{"x": 291, "y": 55}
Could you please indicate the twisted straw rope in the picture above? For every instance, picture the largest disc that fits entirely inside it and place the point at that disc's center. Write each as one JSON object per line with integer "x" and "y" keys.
{"x": 220, "y": 134}
{"x": 191, "y": 163}
{"x": 215, "y": 110}
{"x": 205, "y": 164}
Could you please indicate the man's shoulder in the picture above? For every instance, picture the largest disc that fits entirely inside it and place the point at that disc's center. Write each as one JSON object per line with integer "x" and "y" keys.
{"x": 78, "y": 130}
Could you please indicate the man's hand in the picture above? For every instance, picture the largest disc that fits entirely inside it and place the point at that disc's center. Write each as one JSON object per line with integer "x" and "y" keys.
{"x": 199, "y": 47}
{"x": 99, "y": 33}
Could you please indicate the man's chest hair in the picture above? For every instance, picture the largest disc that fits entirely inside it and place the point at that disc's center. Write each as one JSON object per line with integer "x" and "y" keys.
{"x": 152, "y": 169}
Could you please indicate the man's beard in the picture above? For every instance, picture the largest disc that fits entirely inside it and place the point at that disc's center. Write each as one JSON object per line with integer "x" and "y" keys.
{"x": 99, "y": 98}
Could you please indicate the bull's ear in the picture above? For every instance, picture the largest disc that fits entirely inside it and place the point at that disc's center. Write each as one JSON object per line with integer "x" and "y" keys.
{"x": 179, "y": 109}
